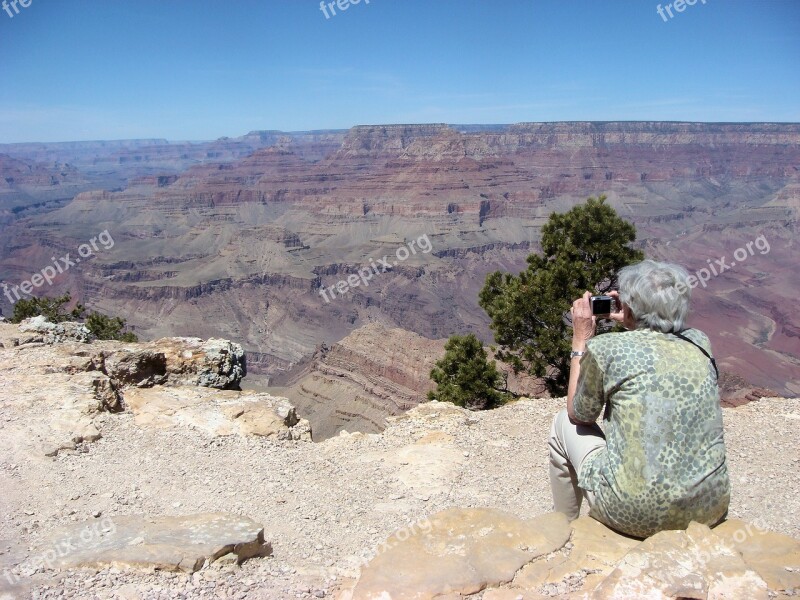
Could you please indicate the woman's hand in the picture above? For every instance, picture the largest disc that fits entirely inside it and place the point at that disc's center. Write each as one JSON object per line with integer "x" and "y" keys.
{"x": 583, "y": 322}
{"x": 617, "y": 315}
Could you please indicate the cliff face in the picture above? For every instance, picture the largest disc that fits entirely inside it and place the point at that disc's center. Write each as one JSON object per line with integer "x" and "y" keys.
{"x": 373, "y": 373}
{"x": 243, "y": 246}
{"x": 26, "y": 186}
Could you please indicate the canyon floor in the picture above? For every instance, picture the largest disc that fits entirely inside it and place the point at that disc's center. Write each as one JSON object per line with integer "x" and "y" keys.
{"x": 327, "y": 507}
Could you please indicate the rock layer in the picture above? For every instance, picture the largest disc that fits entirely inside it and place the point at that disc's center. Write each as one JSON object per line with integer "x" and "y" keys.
{"x": 242, "y": 247}
{"x": 374, "y": 373}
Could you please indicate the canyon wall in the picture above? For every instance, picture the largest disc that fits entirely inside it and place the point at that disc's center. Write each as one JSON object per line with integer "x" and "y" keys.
{"x": 242, "y": 246}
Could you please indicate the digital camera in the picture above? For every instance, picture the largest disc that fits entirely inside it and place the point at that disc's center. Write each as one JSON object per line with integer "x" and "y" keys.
{"x": 602, "y": 305}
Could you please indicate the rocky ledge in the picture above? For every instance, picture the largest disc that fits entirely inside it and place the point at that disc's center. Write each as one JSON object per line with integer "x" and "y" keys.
{"x": 192, "y": 491}
{"x": 460, "y": 553}
{"x": 57, "y": 381}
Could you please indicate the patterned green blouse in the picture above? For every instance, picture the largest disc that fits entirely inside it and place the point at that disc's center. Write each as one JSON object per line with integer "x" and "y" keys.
{"x": 664, "y": 464}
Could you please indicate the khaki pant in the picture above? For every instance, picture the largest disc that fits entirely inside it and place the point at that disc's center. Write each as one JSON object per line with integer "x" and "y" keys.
{"x": 570, "y": 444}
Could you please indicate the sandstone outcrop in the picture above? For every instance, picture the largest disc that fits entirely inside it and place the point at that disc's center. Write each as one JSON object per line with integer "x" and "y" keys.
{"x": 459, "y": 552}
{"x": 55, "y": 385}
{"x": 217, "y": 412}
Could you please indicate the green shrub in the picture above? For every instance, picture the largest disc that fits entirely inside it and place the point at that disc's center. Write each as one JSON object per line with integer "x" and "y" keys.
{"x": 102, "y": 326}
{"x": 465, "y": 377}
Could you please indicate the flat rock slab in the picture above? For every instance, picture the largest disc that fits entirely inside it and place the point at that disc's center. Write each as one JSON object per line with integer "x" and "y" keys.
{"x": 463, "y": 551}
{"x": 215, "y": 412}
{"x": 595, "y": 552}
{"x": 458, "y": 551}
{"x": 774, "y": 556}
{"x": 696, "y": 563}
{"x": 167, "y": 543}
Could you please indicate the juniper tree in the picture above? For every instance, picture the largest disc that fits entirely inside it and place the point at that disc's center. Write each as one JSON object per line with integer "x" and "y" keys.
{"x": 465, "y": 377}
{"x": 582, "y": 249}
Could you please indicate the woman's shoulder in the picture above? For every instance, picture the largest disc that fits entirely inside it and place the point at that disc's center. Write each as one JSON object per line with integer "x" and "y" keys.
{"x": 697, "y": 336}
{"x": 608, "y": 341}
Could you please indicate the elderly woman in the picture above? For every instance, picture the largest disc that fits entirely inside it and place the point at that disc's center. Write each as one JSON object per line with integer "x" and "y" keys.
{"x": 661, "y": 462}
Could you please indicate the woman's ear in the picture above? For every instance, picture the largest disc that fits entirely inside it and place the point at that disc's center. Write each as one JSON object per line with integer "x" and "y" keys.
{"x": 628, "y": 319}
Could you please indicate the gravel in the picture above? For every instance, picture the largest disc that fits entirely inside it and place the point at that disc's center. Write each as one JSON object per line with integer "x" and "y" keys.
{"x": 325, "y": 507}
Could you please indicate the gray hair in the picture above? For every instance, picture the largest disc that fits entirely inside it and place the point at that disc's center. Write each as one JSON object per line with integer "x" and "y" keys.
{"x": 657, "y": 293}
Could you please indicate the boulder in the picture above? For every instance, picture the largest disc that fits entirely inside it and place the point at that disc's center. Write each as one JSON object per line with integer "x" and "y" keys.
{"x": 211, "y": 363}
{"x": 135, "y": 366}
{"x": 184, "y": 543}
{"x": 55, "y": 333}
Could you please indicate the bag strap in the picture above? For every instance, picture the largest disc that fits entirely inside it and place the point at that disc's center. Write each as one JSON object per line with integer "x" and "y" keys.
{"x": 699, "y": 347}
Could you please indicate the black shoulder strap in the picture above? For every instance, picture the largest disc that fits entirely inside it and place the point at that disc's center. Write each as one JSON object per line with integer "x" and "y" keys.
{"x": 699, "y": 347}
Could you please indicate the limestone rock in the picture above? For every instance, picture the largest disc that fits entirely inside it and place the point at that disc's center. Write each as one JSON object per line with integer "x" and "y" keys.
{"x": 56, "y": 333}
{"x": 460, "y": 551}
{"x": 135, "y": 366}
{"x": 183, "y": 543}
{"x": 596, "y": 550}
{"x": 775, "y": 557}
{"x": 217, "y": 412}
{"x": 52, "y": 394}
{"x": 211, "y": 363}
{"x": 695, "y": 563}
{"x": 106, "y": 392}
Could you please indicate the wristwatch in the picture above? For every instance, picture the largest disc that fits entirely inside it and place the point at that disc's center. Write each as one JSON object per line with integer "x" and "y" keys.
{"x": 577, "y": 353}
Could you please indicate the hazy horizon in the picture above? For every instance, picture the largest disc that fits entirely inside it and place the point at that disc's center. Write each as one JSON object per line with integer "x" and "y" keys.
{"x": 86, "y": 70}
{"x": 330, "y": 129}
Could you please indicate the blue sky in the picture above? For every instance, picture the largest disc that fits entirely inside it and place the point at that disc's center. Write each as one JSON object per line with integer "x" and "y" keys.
{"x": 201, "y": 69}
